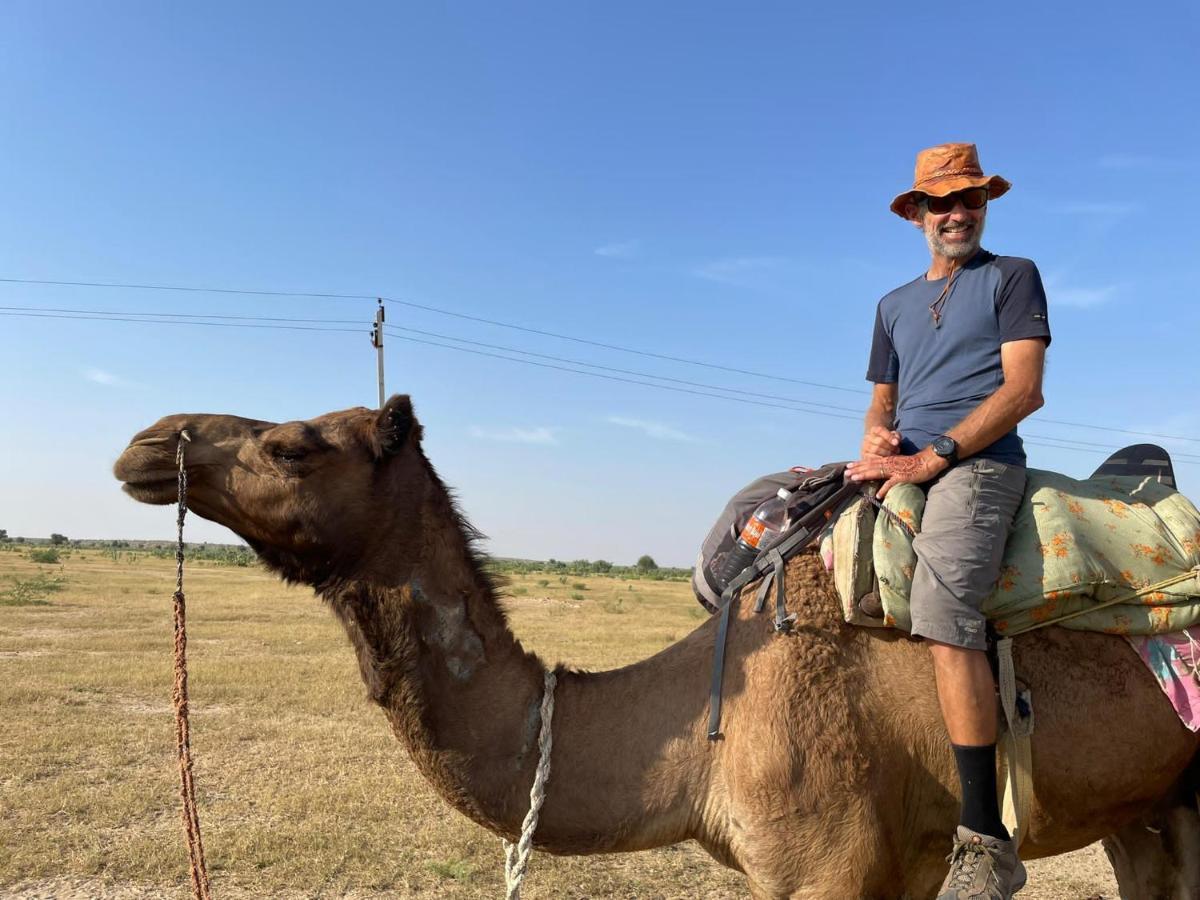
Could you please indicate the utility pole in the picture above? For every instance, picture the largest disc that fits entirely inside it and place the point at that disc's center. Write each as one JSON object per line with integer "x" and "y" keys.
{"x": 377, "y": 343}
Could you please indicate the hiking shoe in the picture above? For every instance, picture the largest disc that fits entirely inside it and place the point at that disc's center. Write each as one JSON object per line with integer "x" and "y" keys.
{"x": 982, "y": 868}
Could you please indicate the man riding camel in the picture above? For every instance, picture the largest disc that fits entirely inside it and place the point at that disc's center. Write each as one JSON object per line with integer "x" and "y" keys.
{"x": 956, "y": 361}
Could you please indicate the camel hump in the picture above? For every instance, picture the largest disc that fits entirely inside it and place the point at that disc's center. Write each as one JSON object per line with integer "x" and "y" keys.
{"x": 1141, "y": 460}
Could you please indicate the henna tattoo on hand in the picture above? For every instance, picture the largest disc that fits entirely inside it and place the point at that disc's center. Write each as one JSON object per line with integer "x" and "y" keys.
{"x": 901, "y": 466}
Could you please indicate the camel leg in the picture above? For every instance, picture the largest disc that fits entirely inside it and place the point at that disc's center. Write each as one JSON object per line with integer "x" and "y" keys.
{"x": 1157, "y": 856}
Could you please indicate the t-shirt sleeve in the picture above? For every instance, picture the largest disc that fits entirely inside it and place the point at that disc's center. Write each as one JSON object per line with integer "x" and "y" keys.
{"x": 883, "y": 366}
{"x": 1021, "y": 302}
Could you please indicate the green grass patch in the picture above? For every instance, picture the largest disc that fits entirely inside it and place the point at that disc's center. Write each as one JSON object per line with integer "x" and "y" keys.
{"x": 452, "y": 869}
{"x": 32, "y": 591}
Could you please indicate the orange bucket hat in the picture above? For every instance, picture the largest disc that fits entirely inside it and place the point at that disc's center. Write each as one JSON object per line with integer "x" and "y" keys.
{"x": 947, "y": 168}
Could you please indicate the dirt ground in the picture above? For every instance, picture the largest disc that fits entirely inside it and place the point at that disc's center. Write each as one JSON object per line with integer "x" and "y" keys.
{"x": 303, "y": 791}
{"x": 1075, "y": 876}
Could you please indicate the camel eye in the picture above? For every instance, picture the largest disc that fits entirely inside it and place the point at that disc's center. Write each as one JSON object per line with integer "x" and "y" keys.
{"x": 288, "y": 455}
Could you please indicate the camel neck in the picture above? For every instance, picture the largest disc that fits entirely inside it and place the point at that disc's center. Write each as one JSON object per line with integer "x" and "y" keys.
{"x": 457, "y": 687}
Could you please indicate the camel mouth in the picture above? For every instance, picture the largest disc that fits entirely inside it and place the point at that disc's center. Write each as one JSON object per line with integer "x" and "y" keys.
{"x": 146, "y": 468}
{"x": 158, "y": 492}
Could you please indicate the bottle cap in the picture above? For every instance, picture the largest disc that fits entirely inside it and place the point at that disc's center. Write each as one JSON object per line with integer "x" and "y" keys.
{"x": 783, "y": 493}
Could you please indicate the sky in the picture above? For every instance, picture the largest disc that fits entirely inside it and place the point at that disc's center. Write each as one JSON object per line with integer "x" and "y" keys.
{"x": 705, "y": 182}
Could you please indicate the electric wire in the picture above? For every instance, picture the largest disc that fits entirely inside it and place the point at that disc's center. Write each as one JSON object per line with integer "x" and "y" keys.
{"x": 537, "y": 331}
{"x": 108, "y": 318}
{"x": 174, "y": 315}
{"x": 177, "y": 322}
{"x": 444, "y": 312}
{"x": 664, "y": 387}
{"x": 392, "y": 329}
{"x": 121, "y": 315}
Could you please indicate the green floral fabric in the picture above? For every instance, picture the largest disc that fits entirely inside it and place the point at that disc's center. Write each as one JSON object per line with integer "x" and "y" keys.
{"x": 1076, "y": 547}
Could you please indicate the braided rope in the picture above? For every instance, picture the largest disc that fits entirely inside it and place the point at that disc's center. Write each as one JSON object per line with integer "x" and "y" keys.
{"x": 201, "y": 886}
{"x": 516, "y": 856}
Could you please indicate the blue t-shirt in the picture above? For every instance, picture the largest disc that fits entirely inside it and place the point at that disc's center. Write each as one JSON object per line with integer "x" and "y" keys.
{"x": 945, "y": 370}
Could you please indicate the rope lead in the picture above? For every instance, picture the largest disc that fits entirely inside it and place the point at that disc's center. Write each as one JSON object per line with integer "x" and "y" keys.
{"x": 516, "y": 856}
{"x": 201, "y": 886}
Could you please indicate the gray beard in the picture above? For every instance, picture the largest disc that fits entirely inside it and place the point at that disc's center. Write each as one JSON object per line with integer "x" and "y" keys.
{"x": 938, "y": 247}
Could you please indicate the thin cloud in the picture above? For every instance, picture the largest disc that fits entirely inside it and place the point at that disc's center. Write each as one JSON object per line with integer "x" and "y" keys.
{"x": 738, "y": 270}
{"x": 1140, "y": 161}
{"x": 108, "y": 379}
{"x": 1081, "y": 297}
{"x": 619, "y": 250}
{"x": 516, "y": 435}
{"x": 1096, "y": 208}
{"x": 656, "y": 430}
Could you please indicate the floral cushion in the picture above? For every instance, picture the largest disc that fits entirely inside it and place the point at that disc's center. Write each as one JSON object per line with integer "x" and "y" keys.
{"x": 1120, "y": 555}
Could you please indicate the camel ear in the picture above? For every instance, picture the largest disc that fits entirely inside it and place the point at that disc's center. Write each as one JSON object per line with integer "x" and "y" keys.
{"x": 396, "y": 423}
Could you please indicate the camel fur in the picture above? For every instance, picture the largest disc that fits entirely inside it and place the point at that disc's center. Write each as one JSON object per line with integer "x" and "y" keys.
{"x": 834, "y": 778}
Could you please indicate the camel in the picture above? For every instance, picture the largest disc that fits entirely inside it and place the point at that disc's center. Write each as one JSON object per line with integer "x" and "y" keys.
{"x": 833, "y": 777}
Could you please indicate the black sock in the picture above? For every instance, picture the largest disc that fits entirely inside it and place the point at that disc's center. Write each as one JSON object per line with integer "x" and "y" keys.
{"x": 977, "y": 776}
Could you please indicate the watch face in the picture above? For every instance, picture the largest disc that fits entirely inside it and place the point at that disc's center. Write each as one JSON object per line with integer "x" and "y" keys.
{"x": 944, "y": 446}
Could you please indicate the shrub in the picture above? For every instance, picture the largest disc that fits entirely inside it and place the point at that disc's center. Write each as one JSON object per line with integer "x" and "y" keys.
{"x": 48, "y": 555}
{"x": 580, "y": 586}
{"x": 32, "y": 592}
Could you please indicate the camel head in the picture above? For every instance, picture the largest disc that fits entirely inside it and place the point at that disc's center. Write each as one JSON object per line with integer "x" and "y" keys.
{"x": 316, "y": 499}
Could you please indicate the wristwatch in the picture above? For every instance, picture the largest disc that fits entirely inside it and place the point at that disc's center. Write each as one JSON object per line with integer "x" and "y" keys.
{"x": 947, "y": 448}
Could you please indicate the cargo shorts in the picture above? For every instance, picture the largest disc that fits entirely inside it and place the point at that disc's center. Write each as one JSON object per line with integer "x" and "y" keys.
{"x": 969, "y": 512}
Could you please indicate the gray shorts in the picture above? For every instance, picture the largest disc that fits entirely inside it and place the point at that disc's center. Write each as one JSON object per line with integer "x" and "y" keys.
{"x": 968, "y": 515}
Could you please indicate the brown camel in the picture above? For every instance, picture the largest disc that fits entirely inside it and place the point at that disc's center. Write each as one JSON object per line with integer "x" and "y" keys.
{"x": 834, "y": 778}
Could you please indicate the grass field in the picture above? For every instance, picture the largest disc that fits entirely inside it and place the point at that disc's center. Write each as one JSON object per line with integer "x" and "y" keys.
{"x": 303, "y": 791}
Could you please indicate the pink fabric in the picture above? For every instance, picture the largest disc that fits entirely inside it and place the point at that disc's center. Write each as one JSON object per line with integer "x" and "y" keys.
{"x": 1174, "y": 660}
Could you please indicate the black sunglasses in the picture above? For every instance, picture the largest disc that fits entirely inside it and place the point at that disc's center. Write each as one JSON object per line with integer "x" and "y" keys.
{"x": 972, "y": 198}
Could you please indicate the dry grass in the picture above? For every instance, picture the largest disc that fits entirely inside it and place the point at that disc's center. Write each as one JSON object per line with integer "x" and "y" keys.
{"x": 303, "y": 790}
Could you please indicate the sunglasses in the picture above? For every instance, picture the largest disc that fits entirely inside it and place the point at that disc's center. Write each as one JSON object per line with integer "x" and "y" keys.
{"x": 972, "y": 198}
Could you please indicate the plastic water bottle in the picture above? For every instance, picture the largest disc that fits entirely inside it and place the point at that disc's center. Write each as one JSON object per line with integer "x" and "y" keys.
{"x": 764, "y": 528}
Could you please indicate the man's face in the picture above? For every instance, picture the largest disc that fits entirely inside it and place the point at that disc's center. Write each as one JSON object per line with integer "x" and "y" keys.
{"x": 952, "y": 235}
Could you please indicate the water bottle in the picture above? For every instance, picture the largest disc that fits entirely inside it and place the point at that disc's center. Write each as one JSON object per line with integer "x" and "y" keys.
{"x": 768, "y": 522}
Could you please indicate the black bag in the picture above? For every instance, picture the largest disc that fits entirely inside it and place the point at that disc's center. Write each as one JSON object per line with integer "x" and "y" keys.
{"x": 809, "y": 488}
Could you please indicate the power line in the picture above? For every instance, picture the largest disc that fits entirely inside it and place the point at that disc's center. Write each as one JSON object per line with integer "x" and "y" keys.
{"x": 1089, "y": 445}
{"x": 663, "y": 387}
{"x": 578, "y": 362}
{"x": 188, "y": 289}
{"x": 443, "y": 312}
{"x": 120, "y": 312}
{"x": 120, "y": 315}
{"x": 105, "y": 318}
{"x": 277, "y": 323}
{"x": 1037, "y": 440}
{"x": 544, "y": 333}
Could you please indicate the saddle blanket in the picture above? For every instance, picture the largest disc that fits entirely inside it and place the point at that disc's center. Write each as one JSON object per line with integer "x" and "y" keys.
{"x": 1114, "y": 554}
{"x": 1174, "y": 661}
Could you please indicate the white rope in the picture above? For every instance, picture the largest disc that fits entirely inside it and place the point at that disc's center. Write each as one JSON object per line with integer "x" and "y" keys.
{"x": 516, "y": 856}
{"x": 1018, "y": 793}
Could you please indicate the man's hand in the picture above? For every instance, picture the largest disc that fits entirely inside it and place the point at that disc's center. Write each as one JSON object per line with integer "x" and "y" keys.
{"x": 897, "y": 469}
{"x": 879, "y": 441}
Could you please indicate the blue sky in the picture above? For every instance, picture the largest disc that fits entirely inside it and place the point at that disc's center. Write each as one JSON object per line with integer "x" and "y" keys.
{"x": 707, "y": 182}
